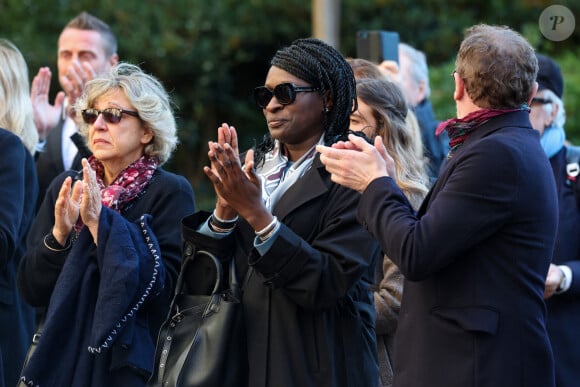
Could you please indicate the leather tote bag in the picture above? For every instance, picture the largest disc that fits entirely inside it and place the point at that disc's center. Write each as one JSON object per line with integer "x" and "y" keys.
{"x": 202, "y": 342}
{"x": 33, "y": 345}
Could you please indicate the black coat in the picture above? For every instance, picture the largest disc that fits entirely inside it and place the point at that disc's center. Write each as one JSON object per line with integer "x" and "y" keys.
{"x": 475, "y": 259}
{"x": 18, "y": 189}
{"x": 307, "y": 302}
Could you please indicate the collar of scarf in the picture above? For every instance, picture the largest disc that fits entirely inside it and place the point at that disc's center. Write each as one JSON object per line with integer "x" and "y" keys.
{"x": 128, "y": 184}
{"x": 460, "y": 128}
{"x": 278, "y": 173}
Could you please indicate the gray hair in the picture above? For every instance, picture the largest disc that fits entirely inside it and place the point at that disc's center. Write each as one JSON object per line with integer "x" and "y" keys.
{"x": 148, "y": 97}
{"x": 560, "y": 119}
{"x": 419, "y": 70}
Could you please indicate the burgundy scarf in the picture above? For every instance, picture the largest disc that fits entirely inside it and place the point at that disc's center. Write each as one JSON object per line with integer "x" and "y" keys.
{"x": 127, "y": 185}
{"x": 459, "y": 129}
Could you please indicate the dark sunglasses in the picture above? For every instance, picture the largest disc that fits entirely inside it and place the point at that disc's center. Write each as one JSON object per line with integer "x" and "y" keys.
{"x": 110, "y": 115}
{"x": 285, "y": 93}
{"x": 542, "y": 101}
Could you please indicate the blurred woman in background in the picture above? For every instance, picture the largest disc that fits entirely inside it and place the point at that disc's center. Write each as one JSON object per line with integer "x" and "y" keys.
{"x": 18, "y": 189}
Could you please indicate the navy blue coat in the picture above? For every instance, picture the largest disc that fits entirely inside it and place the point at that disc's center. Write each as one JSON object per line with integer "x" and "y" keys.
{"x": 564, "y": 309}
{"x": 475, "y": 259}
{"x": 18, "y": 190}
{"x": 167, "y": 198}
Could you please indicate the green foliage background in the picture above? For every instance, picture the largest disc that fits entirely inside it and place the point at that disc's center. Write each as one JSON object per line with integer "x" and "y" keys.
{"x": 210, "y": 54}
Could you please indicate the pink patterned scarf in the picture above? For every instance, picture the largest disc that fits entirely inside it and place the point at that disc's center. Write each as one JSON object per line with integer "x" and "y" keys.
{"x": 128, "y": 184}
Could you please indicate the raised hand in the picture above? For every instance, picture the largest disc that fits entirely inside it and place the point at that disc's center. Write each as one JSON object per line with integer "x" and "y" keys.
{"x": 91, "y": 203}
{"x": 66, "y": 210}
{"x": 356, "y": 163}
{"x": 226, "y": 135}
{"x": 46, "y": 116}
{"x": 240, "y": 188}
{"x": 391, "y": 69}
{"x": 74, "y": 79}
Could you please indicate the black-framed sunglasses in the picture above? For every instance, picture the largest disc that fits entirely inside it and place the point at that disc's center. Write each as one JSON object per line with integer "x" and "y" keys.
{"x": 541, "y": 101}
{"x": 285, "y": 93}
{"x": 110, "y": 115}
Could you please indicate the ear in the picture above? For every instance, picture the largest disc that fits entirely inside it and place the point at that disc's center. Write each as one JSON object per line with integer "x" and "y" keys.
{"x": 147, "y": 136}
{"x": 459, "y": 87}
{"x": 554, "y": 113}
{"x": 555, "y": 108}
{"x": 422, "y": 89}
{"x": 534, "y": 91}
{"x": 328, "y": 102}
{"x": 113, "y": 60}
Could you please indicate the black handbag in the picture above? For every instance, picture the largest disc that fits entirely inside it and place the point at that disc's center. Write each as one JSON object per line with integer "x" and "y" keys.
{"x": 202, "y": 342}
{"x": 33, "y": 345}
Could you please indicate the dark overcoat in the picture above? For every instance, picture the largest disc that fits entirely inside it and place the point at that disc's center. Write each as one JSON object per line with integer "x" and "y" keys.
{"x": 475, "y": 259}
{"x": 307, "y": 303}
{"x": 18, "y": 189}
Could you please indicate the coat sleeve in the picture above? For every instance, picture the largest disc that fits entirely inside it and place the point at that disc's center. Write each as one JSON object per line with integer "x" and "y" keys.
{"x": 317, "y": 273}
{"x": 476, "y": 200}
{"x": 575, "y": 285}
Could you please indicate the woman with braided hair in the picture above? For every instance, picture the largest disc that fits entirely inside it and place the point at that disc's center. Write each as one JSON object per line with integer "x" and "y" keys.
{"x": 307, "y": 265}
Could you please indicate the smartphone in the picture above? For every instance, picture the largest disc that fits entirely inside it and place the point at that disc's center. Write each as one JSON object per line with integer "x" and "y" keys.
{"x": 377, "y": 46}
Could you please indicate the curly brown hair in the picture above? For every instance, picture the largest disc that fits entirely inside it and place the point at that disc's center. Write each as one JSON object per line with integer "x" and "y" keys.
{"x": 497, "y": 65}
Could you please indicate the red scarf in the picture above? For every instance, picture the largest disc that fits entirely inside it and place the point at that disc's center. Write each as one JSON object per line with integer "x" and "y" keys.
{"x": 460, "y": 128}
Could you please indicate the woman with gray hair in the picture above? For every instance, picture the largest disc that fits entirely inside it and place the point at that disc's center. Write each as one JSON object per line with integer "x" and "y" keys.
{"x": 104, "y": 252}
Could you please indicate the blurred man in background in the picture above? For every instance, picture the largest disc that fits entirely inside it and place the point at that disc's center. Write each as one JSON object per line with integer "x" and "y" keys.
{"x": 86, "y": 47}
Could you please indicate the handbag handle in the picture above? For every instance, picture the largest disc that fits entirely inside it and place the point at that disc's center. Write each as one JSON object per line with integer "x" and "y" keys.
{"x": 211, "y": 305}
{"x": 190, "y": 253}
{"x": 176, "y": 312}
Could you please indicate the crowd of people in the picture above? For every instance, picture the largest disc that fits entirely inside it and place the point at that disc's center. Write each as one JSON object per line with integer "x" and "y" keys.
{"x": 377, "y": 245}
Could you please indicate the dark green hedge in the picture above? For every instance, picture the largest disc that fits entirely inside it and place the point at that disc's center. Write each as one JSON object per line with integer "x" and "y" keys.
{"x": 210, "y": 54}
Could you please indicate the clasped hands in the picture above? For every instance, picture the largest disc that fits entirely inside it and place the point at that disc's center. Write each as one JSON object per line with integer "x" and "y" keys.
{"x": 356, "y": 163}
{"x": 238, "y": 188}
{"x": 81, "y": 199}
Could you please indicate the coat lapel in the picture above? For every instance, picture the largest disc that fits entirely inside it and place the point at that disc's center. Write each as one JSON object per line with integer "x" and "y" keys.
{"x": 311, "y": 186}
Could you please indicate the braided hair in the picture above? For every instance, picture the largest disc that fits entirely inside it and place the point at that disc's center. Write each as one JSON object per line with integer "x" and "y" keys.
{"x": 322, "y": 66}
